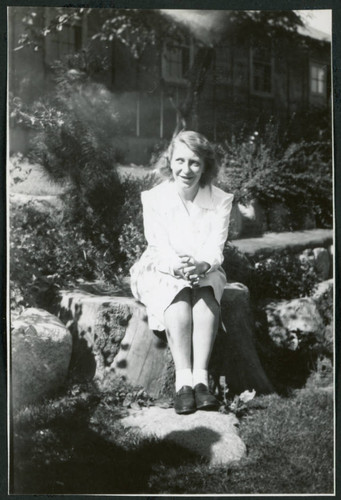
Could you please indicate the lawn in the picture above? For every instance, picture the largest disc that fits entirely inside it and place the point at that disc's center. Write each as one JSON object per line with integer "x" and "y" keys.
{"x": 76, "y": 444}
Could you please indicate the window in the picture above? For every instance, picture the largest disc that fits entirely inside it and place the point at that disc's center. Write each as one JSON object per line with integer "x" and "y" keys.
{"x": 175, "y": 63}
{"x": 318, "y": 79}
{"x": 261, "y": 71}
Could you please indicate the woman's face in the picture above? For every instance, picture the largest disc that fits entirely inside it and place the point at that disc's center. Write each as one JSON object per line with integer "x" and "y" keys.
{"x": 187, "y": 167}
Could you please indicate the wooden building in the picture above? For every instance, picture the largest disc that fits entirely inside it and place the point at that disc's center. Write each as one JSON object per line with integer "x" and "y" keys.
{"x": 248, "y": 81}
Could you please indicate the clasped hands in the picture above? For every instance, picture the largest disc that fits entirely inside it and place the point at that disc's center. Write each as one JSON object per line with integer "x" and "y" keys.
{"x": 190, "y": 269}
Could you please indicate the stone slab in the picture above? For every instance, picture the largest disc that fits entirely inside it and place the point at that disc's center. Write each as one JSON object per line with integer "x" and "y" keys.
{"x": 210, "y": 435}
{"x": 295, "y": 241}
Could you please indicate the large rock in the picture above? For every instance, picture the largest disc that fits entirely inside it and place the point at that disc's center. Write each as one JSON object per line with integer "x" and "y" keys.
{"x": 247, "y": 220}
{"x": 209, "y": 435}
{"x": 295, "y": 324}
{"x": 111, "y": 337}
{"x": 40, "y": 356}
{"x": 322, "y": 263}
{"x": 324, "y": 300}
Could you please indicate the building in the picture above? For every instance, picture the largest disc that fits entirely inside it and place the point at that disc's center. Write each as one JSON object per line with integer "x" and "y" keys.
{"x": 247, "y": 80}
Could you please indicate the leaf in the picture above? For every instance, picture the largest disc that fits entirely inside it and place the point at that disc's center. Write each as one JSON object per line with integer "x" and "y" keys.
{"x": 247, "y": 396}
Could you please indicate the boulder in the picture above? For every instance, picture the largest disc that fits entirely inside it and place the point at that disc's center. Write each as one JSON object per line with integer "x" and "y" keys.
{"x": 247, "y": 220}
{"x": 295, "y": 324}
{"x": 41, "y": 349}
{"x": 209, "y": 435}
{"x": 322, "y": 262}
{"x": 111, "y": 338}
{"x": 324, "y": 300}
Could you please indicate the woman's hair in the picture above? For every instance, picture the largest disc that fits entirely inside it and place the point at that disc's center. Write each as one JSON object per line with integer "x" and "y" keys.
{"x": 200, "y": 146}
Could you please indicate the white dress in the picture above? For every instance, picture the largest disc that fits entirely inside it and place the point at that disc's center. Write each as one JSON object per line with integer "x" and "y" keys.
{"x": 171, "y": 229}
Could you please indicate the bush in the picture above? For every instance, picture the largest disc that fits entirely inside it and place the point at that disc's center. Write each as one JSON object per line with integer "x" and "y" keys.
{"x": 297, "y": 175}
{"x": 77, "y": 142}
{"x": 131, "y": 239}
{"x": 48, "y": 252}
{"x": 282, "y": 276}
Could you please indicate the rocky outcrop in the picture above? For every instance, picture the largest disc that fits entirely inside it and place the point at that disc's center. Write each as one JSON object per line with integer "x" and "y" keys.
{"x": 40, "y": 356}
{"x": 209, "y": 435}
{"x": 111, "y": 338}
{"x": 295, "y": 323}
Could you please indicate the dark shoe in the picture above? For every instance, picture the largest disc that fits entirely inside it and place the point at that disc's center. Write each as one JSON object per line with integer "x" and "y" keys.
{"x": 184, "y": 400}
{"x": 204, "y": 400}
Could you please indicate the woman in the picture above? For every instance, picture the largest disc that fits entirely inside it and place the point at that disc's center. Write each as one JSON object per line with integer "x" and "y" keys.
{"x": 179, "y": 277}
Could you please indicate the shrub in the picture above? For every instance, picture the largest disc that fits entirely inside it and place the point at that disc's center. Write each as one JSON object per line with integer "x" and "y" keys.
{"x": 282, "y": 276}
{"x": 131, "y": 239}
{"x": 76, "y": 140}
{"x": 297, "y": 175}
{"x": 47, "y": 252}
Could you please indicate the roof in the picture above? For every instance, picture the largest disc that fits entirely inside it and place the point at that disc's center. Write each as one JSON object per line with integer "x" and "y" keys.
{"x": 314, "y": 33}
{"x": 208, "y": 26}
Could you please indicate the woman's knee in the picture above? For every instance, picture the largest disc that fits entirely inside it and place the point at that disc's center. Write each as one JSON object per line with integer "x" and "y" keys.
{"x": 204, "y": 298}
{"x": 180, "y": 309}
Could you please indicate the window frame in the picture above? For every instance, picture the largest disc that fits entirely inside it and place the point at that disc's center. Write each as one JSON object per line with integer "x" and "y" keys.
{"x": 167, "y": 48}
{"x": 318, "y": 65}
{"x": 270, "y": 63}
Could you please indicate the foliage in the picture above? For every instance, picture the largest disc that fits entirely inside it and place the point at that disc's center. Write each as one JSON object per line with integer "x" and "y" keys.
{"x": 297, "y": 175}
{"x": 17, "y": 171}
{"x": 283, "y": 275}
{"x": 131, "y": 239}
{"x": 76, "y": 143}
{"x": 48, "y": 250}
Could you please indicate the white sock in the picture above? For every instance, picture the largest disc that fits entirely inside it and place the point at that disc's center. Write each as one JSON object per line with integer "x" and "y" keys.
{"x": 183, "y": 377}
{"x": 200, "y": 377}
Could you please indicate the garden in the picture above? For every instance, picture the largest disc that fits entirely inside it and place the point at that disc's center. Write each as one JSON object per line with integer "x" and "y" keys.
{"x": 76, "y": 224}
{"x": 93, "y": 232}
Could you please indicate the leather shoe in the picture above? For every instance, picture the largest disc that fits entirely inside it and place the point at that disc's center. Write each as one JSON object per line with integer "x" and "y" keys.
{"x": 184, "y": 400}
{"x": 204, "y": 400}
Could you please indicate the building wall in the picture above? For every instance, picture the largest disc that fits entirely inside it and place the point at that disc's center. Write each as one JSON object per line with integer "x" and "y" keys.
{"x": 146, "y": 101}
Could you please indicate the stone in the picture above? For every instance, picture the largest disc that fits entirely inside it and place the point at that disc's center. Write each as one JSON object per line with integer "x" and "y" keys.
{"x": 41, "y": 349}
{"x": 111, "y": 338}
{"x": 295, "y": 324}
{"x": 324, "y": 300}
{"x": 210, "y": 435}
{"x": 247, "y": 220}
{"x": 322, "y": 262}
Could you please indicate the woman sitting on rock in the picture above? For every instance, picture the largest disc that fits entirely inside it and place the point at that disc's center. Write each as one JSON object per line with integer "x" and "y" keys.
{"x": 179, "y": 277}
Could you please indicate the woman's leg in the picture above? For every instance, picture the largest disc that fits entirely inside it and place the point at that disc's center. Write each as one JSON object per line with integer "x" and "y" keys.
{"x": 178, "y": 322}
{"x": 205, "y": 325}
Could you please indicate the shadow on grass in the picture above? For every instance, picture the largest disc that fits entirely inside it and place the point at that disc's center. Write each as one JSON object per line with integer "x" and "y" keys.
{"x": 71, "y": 458}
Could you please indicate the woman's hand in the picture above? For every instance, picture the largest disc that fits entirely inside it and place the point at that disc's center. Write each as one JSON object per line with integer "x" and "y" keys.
{"x": 182, "y": 263}
{"x": 195, "y": 270}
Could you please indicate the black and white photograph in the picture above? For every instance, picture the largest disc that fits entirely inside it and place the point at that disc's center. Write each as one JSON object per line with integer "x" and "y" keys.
{"x": 170, "y": 237}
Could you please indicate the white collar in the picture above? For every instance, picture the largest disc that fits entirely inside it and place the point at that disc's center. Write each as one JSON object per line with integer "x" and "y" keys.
{"x": 203, "y": 197}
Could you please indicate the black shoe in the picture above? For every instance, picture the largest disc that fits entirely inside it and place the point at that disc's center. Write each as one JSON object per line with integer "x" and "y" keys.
{"x": 204, "y": 400}
{"x": 184, "y": 400}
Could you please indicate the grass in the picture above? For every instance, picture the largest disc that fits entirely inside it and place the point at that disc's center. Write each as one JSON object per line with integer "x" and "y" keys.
{"x": 76, "y": 444}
